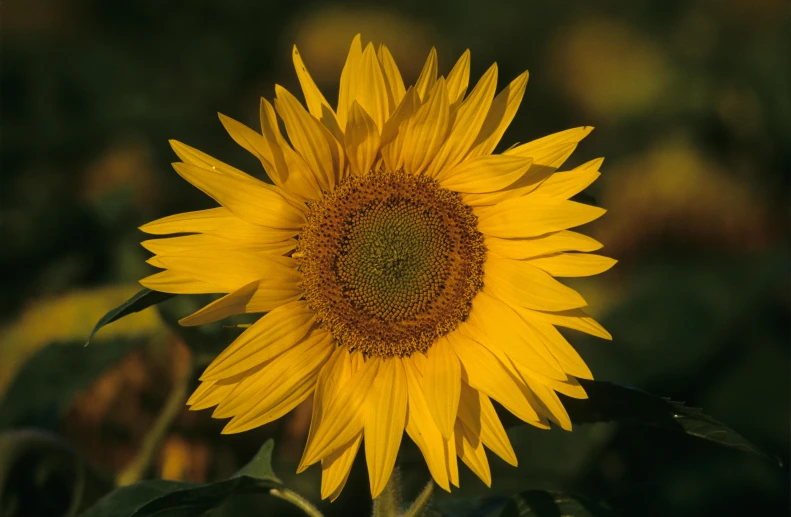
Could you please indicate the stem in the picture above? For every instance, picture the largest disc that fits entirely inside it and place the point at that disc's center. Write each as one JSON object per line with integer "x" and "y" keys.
{"x": 153, "y": 439}
{"x": 420, "y": 505}
{"x": 388, "y": 503}
{"x": 297, "y": 500}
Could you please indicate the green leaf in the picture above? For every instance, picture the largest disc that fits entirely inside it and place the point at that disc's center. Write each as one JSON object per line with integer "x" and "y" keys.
{"x": 142, "y": 300}
{"x": 47, "y": 382}
{"x": 610, "y": 402}
{"x": 260, "y": 467}
{"x": 541, "y": 503}
{"x": 155, "y": 497}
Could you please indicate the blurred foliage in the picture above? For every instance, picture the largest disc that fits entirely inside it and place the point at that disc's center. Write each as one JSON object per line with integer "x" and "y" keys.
{"x": 692, "y": 108}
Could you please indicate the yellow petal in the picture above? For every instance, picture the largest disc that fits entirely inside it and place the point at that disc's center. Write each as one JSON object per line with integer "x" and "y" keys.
{"x": 199, "y": 159}
{"x": 530, "y": 216}
{"x": 271, "y": 151}
{"x": 423, "y": 430}
{"x": 362, "y": 140}
{"x": 570, "y": 387}
{"x": 334, "y": 374}
{"x": 395, "y": 84}
{"x": 275, "y": 389}
{"x": 348, "y": 87}
{"x": 394, "y": 132}
{"x": 478, "y": 414}
{"x": 542, "y": 146}
{"x": 544, "y": 164}
{"x": 419, "y": 360}
{"x": 251, "y": 200}
{"x": 179, "y": 283}
{"x": 548, "y": 153}
{"x": 209, "y": 394}
{"x": 470, "y": 449}
{"x": 467, "y": 124}
{"x": 499, "y": 117}
{"x": 519, "y": 283}
{"x": 563, "y": 185}
{"x": 235, "y": 302}
{"x": 493, "y": 434}
{"x": 564, "y": 240}
{"x": 250, "y": 140}
{"x": 459, "y": 79}
{"x": 200, "y": 392}
{"x": 496, "y": 326}
{"x": 311, "y": 139}
{"x": 267, "y": 295}
{"x": 313, "y": 96}
{"x": 186, "y": 242}
{"x": 573, "y": 264}
{"x": 453, "y": 466}
{"x": 384, "y": 422}
{"x": 232, "y": 268}
{"x": 442, "y": 385}
{"x": 484, "y": 173}
{"x": 487, "y": 374}
{"x": 372, "y": 89}
{"x": 335, "y": 469}
{"x": 267, "y": 338}
{"x": 297, "y": 393}
{"x": 216, "y": 221}
{"x": 288, "y": 169}
{"x": 428, "y": 76}
{"x": 546, "y": 333}
{"x": 346, "y": 415}
{"x": 575, "y": 319}
{"x": 553, "y": 407}
{"x": 425, "y": 132}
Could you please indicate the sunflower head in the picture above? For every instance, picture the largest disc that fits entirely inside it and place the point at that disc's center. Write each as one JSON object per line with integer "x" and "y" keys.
{"x": 406, "y": 273}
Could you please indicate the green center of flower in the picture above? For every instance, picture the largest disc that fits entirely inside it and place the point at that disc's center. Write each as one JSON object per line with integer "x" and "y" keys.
{"x": 391, "y": 262}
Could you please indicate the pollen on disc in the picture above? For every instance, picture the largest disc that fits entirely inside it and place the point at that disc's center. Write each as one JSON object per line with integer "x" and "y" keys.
{"x": 391, "y": 261}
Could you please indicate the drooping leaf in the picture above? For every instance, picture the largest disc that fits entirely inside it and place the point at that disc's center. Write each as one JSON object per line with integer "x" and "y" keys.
{"x": 142, "y": 300}
{"x": 541, "y": 503}
{"x": 610, "y": 402}
{"x": 180, "y": 499}
{"x": 47, "y": 382}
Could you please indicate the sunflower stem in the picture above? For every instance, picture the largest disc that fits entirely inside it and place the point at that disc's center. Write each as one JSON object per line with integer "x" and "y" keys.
{"x": 297, "y": 500}
{"x": 388, "y": 503}
{"x": 420, "y": 504}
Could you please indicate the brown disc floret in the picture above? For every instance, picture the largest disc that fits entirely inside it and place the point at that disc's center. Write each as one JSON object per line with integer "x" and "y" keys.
{"x": 391, "y": 261}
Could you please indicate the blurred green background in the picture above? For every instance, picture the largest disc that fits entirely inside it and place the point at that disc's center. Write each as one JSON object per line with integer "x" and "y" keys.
{"x": 693, "y": 114}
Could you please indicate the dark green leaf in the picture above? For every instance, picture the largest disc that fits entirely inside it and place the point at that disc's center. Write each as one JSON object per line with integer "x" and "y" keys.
{"x": 540, "y": 503}
{"x": 260, "y": 467}
{"x": 610, "y": 402}
{"x": 47, "y": 382}
{"x": 142, "y": 300}
{"x": 154, "y": 497}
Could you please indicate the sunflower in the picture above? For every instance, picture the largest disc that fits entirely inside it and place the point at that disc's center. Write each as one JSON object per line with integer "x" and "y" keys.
{"x": 407, "y": 273}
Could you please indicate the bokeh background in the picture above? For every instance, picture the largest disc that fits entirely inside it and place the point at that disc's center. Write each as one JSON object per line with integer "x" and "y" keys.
{"x": 690, "y": 100}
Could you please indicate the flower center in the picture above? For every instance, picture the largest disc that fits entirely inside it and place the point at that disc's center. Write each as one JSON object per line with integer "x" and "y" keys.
{"x": 391, "y": 261}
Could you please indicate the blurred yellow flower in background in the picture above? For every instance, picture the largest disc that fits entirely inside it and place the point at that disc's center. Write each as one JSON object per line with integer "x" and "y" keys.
{"x": 609, "y": 70}
{"x": 407, "y": 273}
